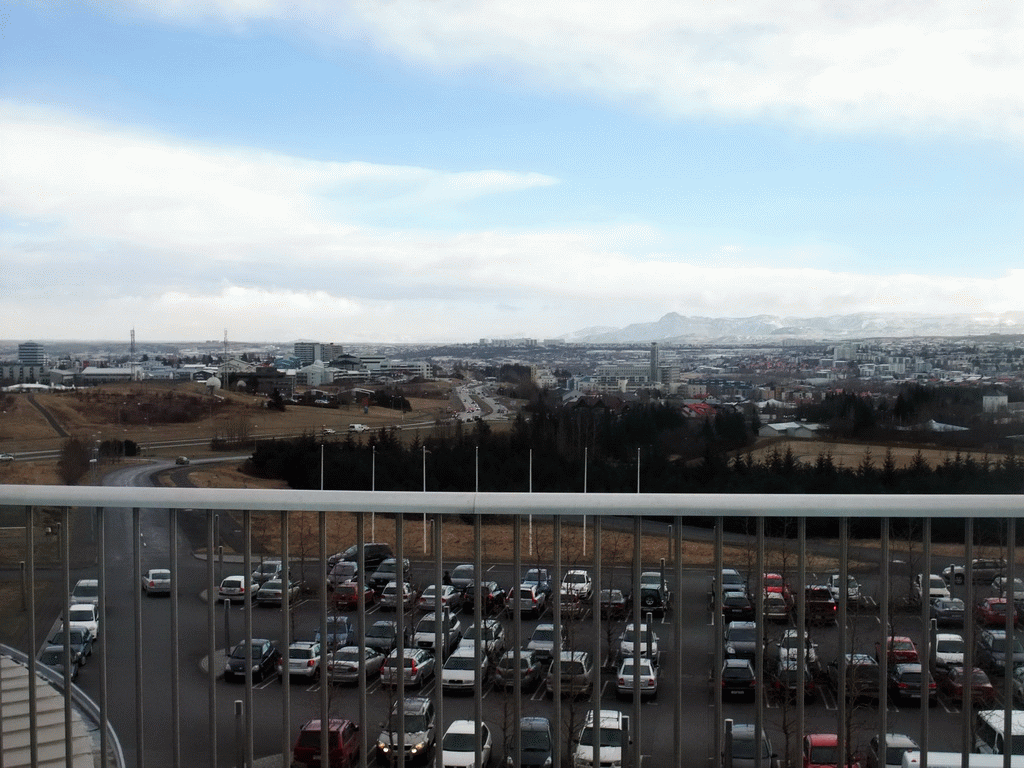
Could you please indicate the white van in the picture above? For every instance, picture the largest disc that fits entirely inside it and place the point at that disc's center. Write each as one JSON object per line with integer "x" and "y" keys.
{"x": 912, "y": 759}
{"x": 988, "y": 732}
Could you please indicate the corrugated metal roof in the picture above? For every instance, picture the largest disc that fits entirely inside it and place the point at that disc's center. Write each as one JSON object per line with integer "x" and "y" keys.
{"x": 14, "y": 715}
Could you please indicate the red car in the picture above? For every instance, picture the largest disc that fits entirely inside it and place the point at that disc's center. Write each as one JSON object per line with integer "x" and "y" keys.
{"x": 982, "y": 692}
{"x": 346, "y": 596}
{"x": 773, "y": 582}
{"x": 991, "y": 612}
{"x": 821, "y": 750}
{"x": 342, "y": 741}
{"x": 901, "y": 651}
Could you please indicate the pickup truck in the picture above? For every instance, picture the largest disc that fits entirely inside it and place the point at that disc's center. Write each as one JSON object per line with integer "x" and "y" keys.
{"x": 821, "y": 606}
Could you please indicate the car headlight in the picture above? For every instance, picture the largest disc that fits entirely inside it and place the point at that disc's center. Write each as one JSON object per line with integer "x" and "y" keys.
{"x": 419, "y": 747}
{"x": 383, "y": 747}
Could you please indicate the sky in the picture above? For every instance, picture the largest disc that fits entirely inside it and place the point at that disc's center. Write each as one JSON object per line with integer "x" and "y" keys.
{"x": 449, "y": 170}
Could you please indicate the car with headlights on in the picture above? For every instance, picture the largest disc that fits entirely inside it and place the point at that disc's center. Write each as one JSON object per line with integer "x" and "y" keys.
{"x": 343, "y": 664}
{"x": 417, "y": 728}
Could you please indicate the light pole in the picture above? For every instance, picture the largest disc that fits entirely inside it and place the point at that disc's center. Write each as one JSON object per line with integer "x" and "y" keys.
{"x": 373, "y": 487}
{"x": 425, "y": 452}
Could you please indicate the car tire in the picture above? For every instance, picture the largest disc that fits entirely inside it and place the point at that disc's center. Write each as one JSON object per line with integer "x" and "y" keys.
{"x": 648, "y": 601}
{"x": 958, "y": 578}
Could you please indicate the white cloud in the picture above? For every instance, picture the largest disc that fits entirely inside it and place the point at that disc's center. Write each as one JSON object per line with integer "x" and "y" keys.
{"x": 896, "y": 66}
{"x": 120, "y": 228}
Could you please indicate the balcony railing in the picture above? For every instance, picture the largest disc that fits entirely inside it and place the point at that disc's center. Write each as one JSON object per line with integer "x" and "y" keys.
{"x": 158, "y": 681}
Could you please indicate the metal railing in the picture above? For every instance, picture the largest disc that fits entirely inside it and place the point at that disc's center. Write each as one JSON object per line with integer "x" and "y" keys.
{"x": 229, "y": 732}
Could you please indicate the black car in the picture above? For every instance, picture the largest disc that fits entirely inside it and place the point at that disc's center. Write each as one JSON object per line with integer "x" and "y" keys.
{"x": 738, "y": 679}
{"x": 492, "y": 597}
{"x": 736, "y": 606}
{"x": 615, "y": 604}
{"x": 263, "y": 655}
{"x": 783, "y": 681}
{"x": 655, "y": 598}
{"x": 990, "y": 652}
{"x": 909, "y": 682}
{"x": 382, "y": 636}
{"x": 374, "y": 553}
{"x": 82, "y": 641}
{"x": 387, "y": 572}
{"x": 862, "y": 678}
{"x": 947, "y": 611}
{"x": 538, "y": 743}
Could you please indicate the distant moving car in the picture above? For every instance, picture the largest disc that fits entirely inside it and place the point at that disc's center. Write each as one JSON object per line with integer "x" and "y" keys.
{"x": 272, "y": 592}
{"x": 156, "y": 581}
{"x": 6, "y": 457}
{"x": 81, "y": 642}
{"x": 746, "y": 745}
{"x": 737, "y": 606}
{"x": 458, "y": 746}
{"x": 84, "y": 616}
{"x": 182, "y": 460}
{"x": 738, "y": 679}
{"x": 86, "y": 591}
{"x": 742, "y": 639}
{"x": 374, "y": 553}
{"x": 358, "y": 428}
{"x": 262, "y": 656}
{"x": 343, "y": 743}
{"x": 538, "y": 744}
{"x": 418, "y": 731}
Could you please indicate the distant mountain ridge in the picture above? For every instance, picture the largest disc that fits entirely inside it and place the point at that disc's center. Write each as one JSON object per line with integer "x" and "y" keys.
{"x": 674, "y": 327}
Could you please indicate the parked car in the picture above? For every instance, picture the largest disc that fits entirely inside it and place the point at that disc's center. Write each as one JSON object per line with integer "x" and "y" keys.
{"x": 783, "y": 680}
{"x": 265, "y": 571}
{"x": 492, "y": 597}
{"x": 742, "y": 639}
{"x": 236, "y": 589}
{"x": 272, "y": 592}
{"x": 343, "y": 664}
{"x": 821, "y": 607}
{"x": 615, "y": 604}
{"x": 346, "y": 596}
{"x": 450, "y": 598}
{"x": 949, "y": 649}
{"x": 86, "y": 591}
{"x": 262, "y": 656}
{"x": 82, "y": 641}
{"x": 990, "y": 651}
{"x": 835, "y": 588}
{"x": 647, "y": 638}
{"x": 459, "y": 744}
{"x": 382, "y": 635}
{"x": 956, "y": 679}
{"x": 789, "y": 648}
{"x": 393, "y": 596}
{"x": 343, "y": 743}
{"x": 737, "y": 606}
{"x": 862, "y": 678}
{"x": 387, "y": 572}
{"x": 341, "y": 572}
{"x": 543, "y": 641}
{"x": 341, "y": 631}
{"x": 531, "y": 670}
{"x": 532, "y": 599}
{"x": 492, "y": 637}
{"x": 1002, "y": 587}
{"x": 625, "y": 678}
{"x": 991, "y": 612}
{"x": 576, "y": 673}
{"x": 738, "y": 679}
{"x": 54, "y": 657}
{"x": 602, "y": 740}
{"x": 655, "y": 598}
{"x": 776, "y": 608}
{"x": 896, "y": 744}
{"x": 746, "y": 744}
{"x": 461, "y": 669}
{"x": 84, "y": 616}
{"x": 948, "y": 612}
{"x": 931, "y": 588}
{"x": 303, "y": 662}
{"x": 899, "y": 650}
{"x": 911, "y": 682}
{"x": 374, "y": 553}
{"x": 539, "y": 578}
{"x": 417, "y": 728}
{"x": 732, "y": 581}
{"x": 426, "y": 632}
{"x": 577, "y": 583}
{"x": 538, "y": 744}
{"x": 821, "y": 750}
{"x": 156, "y": 581}
{"x": 419, "y": 667}
{"x": 462, "y": 576}
{"x": 983, "y": 571}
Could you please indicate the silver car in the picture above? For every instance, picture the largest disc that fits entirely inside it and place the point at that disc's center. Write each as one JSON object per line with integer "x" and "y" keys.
{"x": 419, "y": 667}
{"x": 343, "y": 665}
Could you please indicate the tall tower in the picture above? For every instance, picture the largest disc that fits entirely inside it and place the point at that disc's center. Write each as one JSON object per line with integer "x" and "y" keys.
{"x": 655, "y": 365}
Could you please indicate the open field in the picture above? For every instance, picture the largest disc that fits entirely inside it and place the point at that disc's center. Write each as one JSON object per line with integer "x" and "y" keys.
{"x": 850, "y": 455}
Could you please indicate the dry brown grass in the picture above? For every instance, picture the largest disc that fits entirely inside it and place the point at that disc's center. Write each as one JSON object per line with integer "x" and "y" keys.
{"x": 851, "y": 455}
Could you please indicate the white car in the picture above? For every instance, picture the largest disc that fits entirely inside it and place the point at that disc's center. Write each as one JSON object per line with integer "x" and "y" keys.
{"x": 603, "y": 745}
{"x": 234, "y": 588}
{"x": 358, "y": 428}
{"x": 6, "y": 457}
{"x": 648, "y": 642}
{"x": 458, "y": 747}
{"x": 84, "y": 616}
{"x": 625, "y": 678}
{"x": 492, "y": 637}
{"x": 156, "y": 581}
{"x": 936, "y": 588}
{"x": 577, "y": 584}
{"x": 460, "y": 670}
{"x": 949, "y": 649}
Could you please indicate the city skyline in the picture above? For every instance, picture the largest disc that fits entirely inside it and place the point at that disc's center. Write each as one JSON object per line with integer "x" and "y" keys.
{"x": 409, "y": 172}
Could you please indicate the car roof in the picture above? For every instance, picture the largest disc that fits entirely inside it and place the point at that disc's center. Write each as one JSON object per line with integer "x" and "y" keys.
{"x": 606, "y": 717}
{"x": 896, "y": 740}
{"x": 823, "y": 739}
{"x": 462, "y": 726}
{"x": 412, "y": 703}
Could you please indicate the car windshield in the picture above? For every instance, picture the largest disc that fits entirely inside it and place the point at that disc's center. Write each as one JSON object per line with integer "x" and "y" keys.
{"x": 414, "y": 723}
{"x": 300, "y": 653}
{"x": 575, "y": 578}
{"x": 627, "y": 669}
{"x": 735, "y": 599}
{"x": 459, "y": 742}
{"x": 427, "y": 625}
{"x": 824, "y": 755}
{"x": 486, "y": 633}
{"x": 346, "y": 656}
{"x": 86, "y": 590}
{"x": 902, "y": 645}
{"x": 610, "y": 737}
{"x": 80, "y": 614}
{"x": 535, "y": 741}
{"x": 53, "y": 658}
{"x": 743, "y": 634}
{"x": 544, "y": 635}
{"x": 744, "y": 748}
{"x": 629, "y": 636}
{"x": 949, "y": 646}
{"x": 460, "y": 662}
{"x": 239, "y": 652}
{"x": 379, "y": 630}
